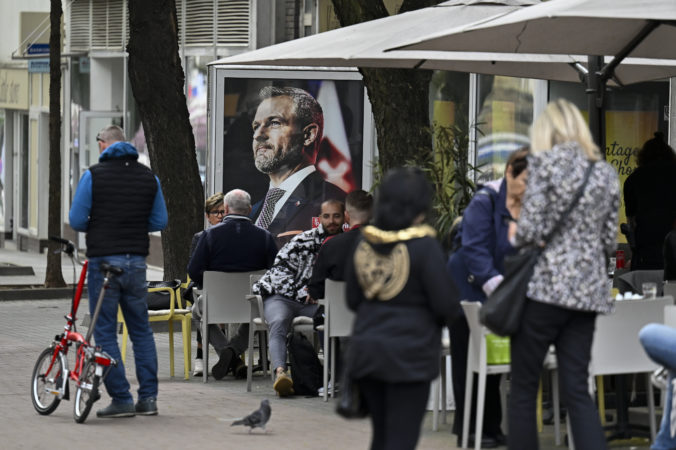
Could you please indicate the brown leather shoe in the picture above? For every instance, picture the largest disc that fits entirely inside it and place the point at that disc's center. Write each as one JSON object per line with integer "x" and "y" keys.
{"x": 283, "y": 385}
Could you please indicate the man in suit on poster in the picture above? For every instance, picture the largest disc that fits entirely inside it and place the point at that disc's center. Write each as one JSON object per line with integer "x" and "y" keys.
{"x": 287, "y": 131}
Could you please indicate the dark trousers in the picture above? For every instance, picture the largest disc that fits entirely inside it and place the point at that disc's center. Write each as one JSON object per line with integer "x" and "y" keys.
{"x": 459, "y": 334}
{"x": 396, "y": 410}
{"x": 572, "y": 333}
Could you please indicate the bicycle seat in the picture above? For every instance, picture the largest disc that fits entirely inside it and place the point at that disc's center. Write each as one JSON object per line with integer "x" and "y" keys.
{"x": 112, "y": 269}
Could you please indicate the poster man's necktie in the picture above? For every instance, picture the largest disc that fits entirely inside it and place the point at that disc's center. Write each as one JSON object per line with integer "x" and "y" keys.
{"x": 268, "y": 209}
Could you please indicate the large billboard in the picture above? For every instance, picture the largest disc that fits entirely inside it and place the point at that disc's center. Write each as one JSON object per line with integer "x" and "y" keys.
{"x": 292, "y": 139}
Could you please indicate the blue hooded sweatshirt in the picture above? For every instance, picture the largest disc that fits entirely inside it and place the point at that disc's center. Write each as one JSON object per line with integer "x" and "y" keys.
{"x": 82, "y": 203}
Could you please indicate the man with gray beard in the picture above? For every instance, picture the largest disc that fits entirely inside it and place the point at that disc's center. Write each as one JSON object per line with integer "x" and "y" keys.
{"x": 287, "y": 131}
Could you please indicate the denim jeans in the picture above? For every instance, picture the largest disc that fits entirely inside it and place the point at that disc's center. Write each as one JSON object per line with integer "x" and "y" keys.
{"x": 659, "y": 342}
{"x": 127, "y": 290}
{"x": 279, "y": 313}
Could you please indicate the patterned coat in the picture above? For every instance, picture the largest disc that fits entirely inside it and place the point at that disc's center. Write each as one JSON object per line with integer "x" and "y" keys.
{"x": 571, "y": 272}
{"x": 292, "y": 269}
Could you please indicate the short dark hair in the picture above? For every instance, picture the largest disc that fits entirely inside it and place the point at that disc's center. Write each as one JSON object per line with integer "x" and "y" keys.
{"x": 333, "y": 201}
{"x": 655, "y": 149}
{"x": 404, "y": 194}
{"x": 518, "y": 159}
{"x": 359, "y": 204}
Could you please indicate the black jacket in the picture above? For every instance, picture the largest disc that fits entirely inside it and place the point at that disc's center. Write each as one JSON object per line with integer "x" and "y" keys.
{"x": 331, "y": 261}
{"x": 123, "y": 192}
{"x": 397, "y": 333}
{"x": 235, "y": 245}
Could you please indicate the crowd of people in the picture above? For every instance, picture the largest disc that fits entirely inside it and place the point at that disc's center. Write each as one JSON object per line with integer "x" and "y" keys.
{"x": 400, "y": 282}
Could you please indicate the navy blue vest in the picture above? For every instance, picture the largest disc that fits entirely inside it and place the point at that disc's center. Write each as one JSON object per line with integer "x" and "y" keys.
{"x": 123, "y": 192}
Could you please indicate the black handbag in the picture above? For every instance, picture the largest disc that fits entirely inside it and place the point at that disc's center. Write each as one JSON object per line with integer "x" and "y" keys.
{"x": 351, "y": 404}
{"x": 502, "y": 310}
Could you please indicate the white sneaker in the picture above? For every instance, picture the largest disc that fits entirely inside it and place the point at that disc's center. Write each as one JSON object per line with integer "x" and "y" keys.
{"x": 199, "y": 368}
{"x": 320, "y": 391}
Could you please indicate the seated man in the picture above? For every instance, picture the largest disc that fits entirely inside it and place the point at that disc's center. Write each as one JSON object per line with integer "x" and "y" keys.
{"x": 284, "y": 286}
{"x": 336, "y": 249}
{"x": 234, "y": 245}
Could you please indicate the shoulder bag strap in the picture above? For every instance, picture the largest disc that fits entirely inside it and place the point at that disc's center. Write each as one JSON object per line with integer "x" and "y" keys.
{"x": 571, "y": 206}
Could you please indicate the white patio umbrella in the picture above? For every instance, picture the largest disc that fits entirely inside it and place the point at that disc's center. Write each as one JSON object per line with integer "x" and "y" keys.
{"x": 620, "y": 28}
{"x": 364, "y": 45}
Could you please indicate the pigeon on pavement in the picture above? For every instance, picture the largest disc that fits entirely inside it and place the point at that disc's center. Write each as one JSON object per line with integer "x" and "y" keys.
{"x": 256, "y": 419}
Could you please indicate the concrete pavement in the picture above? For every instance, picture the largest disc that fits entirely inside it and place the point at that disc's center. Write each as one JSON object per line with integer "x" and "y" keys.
{"x": 191, "y": 414}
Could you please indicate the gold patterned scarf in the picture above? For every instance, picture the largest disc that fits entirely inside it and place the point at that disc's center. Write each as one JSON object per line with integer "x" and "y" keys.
{"x": 383, "y": 276}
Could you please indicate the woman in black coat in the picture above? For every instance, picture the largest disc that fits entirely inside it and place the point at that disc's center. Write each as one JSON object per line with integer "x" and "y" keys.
{"x": 397, "y": 284}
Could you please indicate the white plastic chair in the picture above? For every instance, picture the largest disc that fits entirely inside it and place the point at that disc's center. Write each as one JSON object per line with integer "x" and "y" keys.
{"x": 441, "y": 382}
{"x": 477, "y": 363}
{"x": 616, "y": 349}
{"x": 223, "y": 301}
{"x": 338, "y": 320}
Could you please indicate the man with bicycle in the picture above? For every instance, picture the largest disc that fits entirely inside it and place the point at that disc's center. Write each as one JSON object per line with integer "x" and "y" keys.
{"x": 117, "y": 203}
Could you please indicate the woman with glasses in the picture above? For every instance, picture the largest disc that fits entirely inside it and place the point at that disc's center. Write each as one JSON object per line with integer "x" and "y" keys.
{"x": 214, "y": 210}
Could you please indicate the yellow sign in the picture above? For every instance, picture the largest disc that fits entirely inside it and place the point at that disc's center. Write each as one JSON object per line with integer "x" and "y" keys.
{"x": 14, "y": 88}
{"x": 626, "y": 131}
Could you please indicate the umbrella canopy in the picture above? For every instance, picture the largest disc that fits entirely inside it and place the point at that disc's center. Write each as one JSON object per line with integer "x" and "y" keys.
{"x": 620, "y": 28}
{"x": 365, "y": 45}
{"x": 581, "y": 27}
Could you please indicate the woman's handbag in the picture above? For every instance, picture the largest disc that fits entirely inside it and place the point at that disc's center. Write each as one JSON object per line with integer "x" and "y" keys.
{"x": 502, "y": 310}
{"x": 351, "y": 404}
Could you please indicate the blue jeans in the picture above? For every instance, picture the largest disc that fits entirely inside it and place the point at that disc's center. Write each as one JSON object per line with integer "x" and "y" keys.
{"x": 659, "y": 342}
{"x": 129, "y": 291}
{"x": 279, "y": 313}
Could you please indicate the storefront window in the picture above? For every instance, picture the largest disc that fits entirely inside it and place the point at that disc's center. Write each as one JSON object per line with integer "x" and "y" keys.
{"x": 633, "y": 114}
{"x": 505, "y": 114}
{"x": 196, "y": 78}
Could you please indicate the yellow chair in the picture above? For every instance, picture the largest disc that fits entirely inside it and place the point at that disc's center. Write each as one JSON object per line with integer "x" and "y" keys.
{"x": 176, "y": 312}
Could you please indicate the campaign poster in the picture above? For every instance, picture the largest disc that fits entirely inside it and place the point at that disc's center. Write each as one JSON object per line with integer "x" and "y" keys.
{"x": 252, "y": 130}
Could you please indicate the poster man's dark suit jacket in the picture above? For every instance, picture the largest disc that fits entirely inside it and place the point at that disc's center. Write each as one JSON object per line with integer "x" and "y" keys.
{"x": 304, "y": 203}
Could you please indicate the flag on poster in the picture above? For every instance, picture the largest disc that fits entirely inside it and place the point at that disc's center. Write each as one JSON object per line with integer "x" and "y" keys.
{"x": 334, "y": 159}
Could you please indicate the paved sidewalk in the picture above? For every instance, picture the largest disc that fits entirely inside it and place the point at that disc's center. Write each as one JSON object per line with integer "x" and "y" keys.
{"x": 191, "y": 414}
{"x": 20, "y": 287}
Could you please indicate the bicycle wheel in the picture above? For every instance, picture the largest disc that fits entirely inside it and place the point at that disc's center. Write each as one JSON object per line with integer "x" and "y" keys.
{"x": 87, "y": 392}
{"x": 46, "y": 381}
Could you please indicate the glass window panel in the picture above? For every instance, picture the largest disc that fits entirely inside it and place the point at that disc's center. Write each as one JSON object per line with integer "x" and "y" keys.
{"x": 505, "y": 114}
{"x": 633, "y": 114}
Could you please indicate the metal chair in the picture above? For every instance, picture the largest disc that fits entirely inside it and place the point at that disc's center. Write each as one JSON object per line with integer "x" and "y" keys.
{"x": 477, "y": 363}
{"x": 441, "y": 382}
{"x": 223, "y": 301}
{"x": 176, "y": 312}
{"x": 338, "y": 320}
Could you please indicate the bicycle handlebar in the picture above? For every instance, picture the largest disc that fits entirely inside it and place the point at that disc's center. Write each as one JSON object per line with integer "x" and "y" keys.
{"x": 68, "y": 246}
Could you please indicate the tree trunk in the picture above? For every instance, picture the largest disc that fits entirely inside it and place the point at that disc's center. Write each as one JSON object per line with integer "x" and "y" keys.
{"x": 157, "y": 80}
{"x": 54, "y": 276}
{"x": 399, "y": 97}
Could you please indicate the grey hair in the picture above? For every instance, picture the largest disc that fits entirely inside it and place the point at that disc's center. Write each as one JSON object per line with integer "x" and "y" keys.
{"x": 111, "y": 133}
{"x": 307, "y": 108}
{"x": 238, "y": 201}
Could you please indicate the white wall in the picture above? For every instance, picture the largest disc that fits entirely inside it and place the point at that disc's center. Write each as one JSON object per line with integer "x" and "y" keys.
{"x": 9, "y": 24}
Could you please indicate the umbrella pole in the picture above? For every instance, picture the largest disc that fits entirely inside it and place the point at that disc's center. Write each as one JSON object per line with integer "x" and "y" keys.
{"x": 596, "y": 86}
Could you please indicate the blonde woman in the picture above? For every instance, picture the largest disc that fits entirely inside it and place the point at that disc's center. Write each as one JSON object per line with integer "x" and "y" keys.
{"x": 569, "y": 286}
